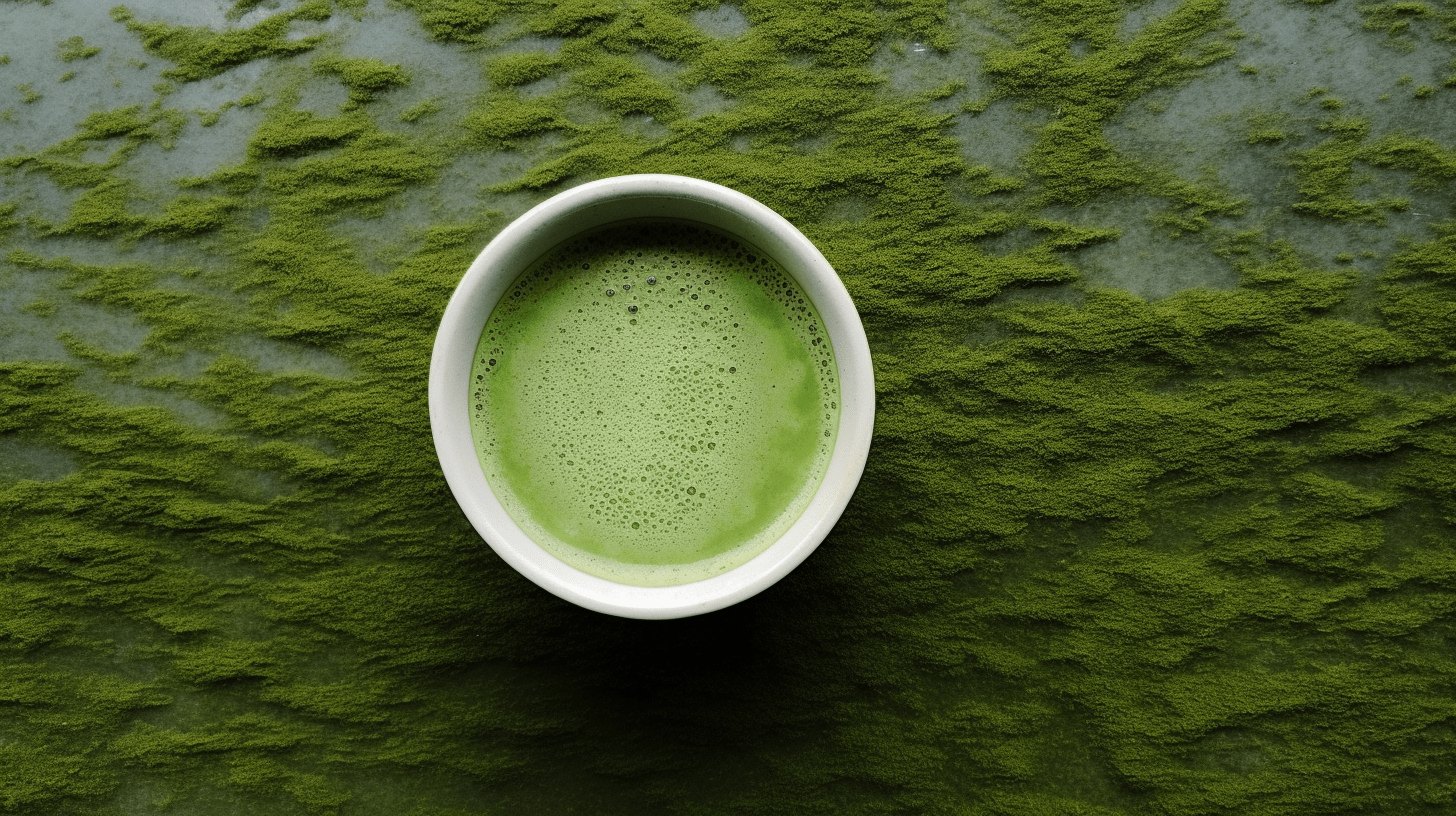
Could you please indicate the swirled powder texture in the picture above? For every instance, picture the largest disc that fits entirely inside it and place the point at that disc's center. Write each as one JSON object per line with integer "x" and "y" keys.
{"x": 655, "y": 402}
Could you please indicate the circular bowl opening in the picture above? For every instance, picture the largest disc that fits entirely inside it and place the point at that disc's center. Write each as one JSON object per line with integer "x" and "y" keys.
{"x": 586, "y": 208}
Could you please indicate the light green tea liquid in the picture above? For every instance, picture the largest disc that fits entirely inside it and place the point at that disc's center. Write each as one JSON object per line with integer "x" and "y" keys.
{"x": 655, "y": 402}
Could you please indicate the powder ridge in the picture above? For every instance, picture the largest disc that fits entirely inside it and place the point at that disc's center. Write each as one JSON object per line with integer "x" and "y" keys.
{"x": 655, "y": 401}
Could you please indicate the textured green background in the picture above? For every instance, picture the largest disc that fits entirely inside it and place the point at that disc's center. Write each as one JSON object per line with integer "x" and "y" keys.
{"x": 1159, "y": 514}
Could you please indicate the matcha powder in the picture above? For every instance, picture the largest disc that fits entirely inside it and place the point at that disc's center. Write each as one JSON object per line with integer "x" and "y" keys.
{"x": 1159, "y": 514}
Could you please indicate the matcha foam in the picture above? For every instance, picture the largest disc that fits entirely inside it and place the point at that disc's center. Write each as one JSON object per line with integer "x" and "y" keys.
{"x": 655, "y": 402}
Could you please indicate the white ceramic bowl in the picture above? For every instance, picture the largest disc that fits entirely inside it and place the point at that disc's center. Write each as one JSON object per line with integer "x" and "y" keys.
{"x": 586, "y": 207}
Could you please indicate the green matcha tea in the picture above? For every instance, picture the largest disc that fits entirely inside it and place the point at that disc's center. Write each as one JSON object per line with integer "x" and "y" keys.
{"x": 655, "y": 402}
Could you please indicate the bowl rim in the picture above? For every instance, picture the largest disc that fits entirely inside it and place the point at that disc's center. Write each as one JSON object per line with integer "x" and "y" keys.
{"x": 542, "y": 228}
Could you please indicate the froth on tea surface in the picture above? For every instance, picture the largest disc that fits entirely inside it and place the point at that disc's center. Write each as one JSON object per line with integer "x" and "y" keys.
{"x": 655, "y": 402}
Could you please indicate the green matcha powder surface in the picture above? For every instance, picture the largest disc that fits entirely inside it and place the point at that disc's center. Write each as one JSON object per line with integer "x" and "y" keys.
{"x": 1160, "y": 515}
